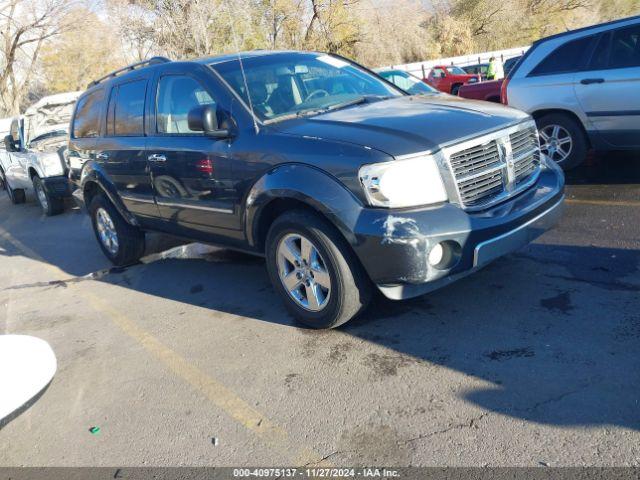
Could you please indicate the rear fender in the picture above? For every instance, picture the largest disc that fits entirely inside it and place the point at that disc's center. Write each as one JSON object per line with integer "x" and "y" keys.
{"x": 93, "y": 173}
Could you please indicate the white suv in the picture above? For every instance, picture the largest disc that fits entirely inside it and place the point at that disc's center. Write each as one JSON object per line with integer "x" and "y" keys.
{"x": 583, "y": 89}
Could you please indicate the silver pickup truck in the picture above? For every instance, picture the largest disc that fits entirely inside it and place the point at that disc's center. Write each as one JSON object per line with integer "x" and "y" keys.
{"x": 32, "y": 161}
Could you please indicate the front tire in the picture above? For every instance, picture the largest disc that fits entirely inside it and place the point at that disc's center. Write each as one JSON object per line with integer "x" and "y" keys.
{"x": 50, "y": 204}
{"x": 315, "y": 271}
{"x": 562, "y": 140}
{"x": 122, "y": 244}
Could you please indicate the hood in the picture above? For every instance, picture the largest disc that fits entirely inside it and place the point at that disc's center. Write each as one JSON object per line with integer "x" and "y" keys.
{"x": 50, "y": 114}
{"x": 406, "y": 125}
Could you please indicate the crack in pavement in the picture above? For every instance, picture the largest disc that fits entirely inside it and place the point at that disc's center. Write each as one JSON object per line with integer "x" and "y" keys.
{"x": 472, "y": 423}
{"x": 554, "y": 399}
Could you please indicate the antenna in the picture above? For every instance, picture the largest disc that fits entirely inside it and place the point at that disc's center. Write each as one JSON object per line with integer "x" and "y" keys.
{"x": 244, "y": 76}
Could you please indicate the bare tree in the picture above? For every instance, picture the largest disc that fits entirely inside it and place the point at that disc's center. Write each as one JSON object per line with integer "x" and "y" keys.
{"x": 26, "y": 26}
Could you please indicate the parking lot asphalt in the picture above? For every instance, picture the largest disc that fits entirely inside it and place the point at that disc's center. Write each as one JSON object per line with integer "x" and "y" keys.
{"x": 190, "y": 359}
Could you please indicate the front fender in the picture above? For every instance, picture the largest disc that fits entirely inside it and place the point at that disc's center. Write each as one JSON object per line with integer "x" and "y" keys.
{"x": 306, "y": 184}
{"x": 93, "y": 173}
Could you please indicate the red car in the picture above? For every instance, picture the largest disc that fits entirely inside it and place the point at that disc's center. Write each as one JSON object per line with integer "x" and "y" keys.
{"x": 450, "y": 78}
{"x": 488, "y": 91}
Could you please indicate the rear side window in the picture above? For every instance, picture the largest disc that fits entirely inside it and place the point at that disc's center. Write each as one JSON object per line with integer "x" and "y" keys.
{"x": 125, "y": 116}
{"x": 567, "y": 58}
{"x": 625, "y": 48}
{"x": 86, "y": 123}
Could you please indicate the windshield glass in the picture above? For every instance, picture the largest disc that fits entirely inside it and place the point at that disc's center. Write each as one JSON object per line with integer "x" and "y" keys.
{"x": 407, "y": 82}
{"x": 281, "y": 85}
{"x": 456, "y": 71}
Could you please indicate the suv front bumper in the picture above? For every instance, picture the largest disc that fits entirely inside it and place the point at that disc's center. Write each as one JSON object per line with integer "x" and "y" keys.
{"x": 394, "y": 246}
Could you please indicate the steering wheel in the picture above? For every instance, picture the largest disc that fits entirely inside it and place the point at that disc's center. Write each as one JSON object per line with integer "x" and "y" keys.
{"x": 317, "y": 93}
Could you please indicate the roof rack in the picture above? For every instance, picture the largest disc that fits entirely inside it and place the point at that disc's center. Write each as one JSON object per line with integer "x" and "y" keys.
{"x": 129, "y": 68}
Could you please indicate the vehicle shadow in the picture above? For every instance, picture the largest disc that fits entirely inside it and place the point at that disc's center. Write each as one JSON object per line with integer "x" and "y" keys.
{"x": 607, "y": 168}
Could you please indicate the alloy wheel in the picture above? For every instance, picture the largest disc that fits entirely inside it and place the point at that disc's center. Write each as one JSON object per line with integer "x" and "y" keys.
{"x": 42, "y": 197}
{"x": 556, "y": 142}
{"x": 303, "y": 272}
{"x": 107, "y": 231}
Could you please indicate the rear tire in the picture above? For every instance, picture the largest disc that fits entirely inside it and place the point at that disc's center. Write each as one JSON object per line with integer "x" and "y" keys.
{"x": 348, "y": 289}
{"x": 570, "y": 146}
{"x": 16, "y": 196}
{"x": 51, "y": 205}
{"x": 121, "y": 243}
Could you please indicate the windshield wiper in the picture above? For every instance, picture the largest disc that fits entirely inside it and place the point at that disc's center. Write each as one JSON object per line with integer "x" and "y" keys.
{"x": 317, "y": 111}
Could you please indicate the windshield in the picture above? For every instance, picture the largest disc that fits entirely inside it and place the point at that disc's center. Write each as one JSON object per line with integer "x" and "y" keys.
{"x": 282, "y": 85}
{"x": 407, "y": 82}
{"x": 456, "y": 71}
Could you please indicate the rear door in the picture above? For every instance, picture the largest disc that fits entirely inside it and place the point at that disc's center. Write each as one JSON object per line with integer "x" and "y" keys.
{"x": 190, "y": 172}
{"x": 122, "y": 150}
{"x": 609, "y": 89}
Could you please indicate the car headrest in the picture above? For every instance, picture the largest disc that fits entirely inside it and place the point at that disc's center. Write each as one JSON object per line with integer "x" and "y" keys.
{"x": 258, "y": 92}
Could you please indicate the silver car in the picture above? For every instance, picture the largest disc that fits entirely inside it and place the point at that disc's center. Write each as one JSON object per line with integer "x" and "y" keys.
{"x": 583, "y": 89}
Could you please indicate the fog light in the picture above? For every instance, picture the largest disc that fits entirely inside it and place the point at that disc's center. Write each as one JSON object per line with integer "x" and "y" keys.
{"x": 445, "y": 255}
{"x": 436, "y": 254}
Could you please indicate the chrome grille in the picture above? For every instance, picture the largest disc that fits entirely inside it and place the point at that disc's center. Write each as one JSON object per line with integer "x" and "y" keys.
{"x": 495, "y": 166}
{"x": 526, "y": 153}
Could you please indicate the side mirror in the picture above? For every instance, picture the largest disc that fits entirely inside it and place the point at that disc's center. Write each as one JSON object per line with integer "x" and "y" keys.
{"x": 9, "y": 144}
{"x": 205, "y": 119}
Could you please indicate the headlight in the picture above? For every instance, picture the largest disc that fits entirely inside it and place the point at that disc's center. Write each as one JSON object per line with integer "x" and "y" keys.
{"x": 51, "y": 164}
{"x": 403, "y": 183}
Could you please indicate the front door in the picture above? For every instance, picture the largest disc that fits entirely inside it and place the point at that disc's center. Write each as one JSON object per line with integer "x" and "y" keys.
{"x": 190, "y": 172}
{"x": 609, "y": 91}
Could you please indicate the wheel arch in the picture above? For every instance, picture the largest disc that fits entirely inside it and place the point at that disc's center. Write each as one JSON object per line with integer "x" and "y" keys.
{"x": 297, "y": 186}
{"x": 94, "y": 182}
{"x": 561, "y": 111}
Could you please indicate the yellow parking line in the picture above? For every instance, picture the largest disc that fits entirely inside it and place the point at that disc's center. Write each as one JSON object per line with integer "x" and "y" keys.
{"x": 610, "y": 203}
{"x": 220, "y": 395}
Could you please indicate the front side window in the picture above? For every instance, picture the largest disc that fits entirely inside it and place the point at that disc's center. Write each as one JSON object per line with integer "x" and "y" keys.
{"x": 126, "y": 109}
{"x": 86, "y": 123}
{"x": 281, "y": 85}
{"x": 438, "y": 73}
{"x": 177, "y": 96}
{"x": 567, "y": 58}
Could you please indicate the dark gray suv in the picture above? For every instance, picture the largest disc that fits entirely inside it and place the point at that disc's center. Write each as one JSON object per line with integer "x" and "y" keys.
{"x": 341, "y": 180}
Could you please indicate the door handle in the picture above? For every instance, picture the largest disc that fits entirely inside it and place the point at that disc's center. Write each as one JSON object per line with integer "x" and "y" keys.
{"x": 157, "y": 158}
{"x": 102, "y": 156}
{"x": 589, "y": 81}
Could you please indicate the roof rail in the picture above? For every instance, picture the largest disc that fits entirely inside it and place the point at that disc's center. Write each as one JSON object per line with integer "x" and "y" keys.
{"x": 128, "y": 68}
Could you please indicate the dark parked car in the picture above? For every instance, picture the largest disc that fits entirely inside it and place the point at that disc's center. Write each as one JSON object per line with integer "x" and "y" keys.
{"x": 509, "y": 63}
{"x": 342, "y": 181}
